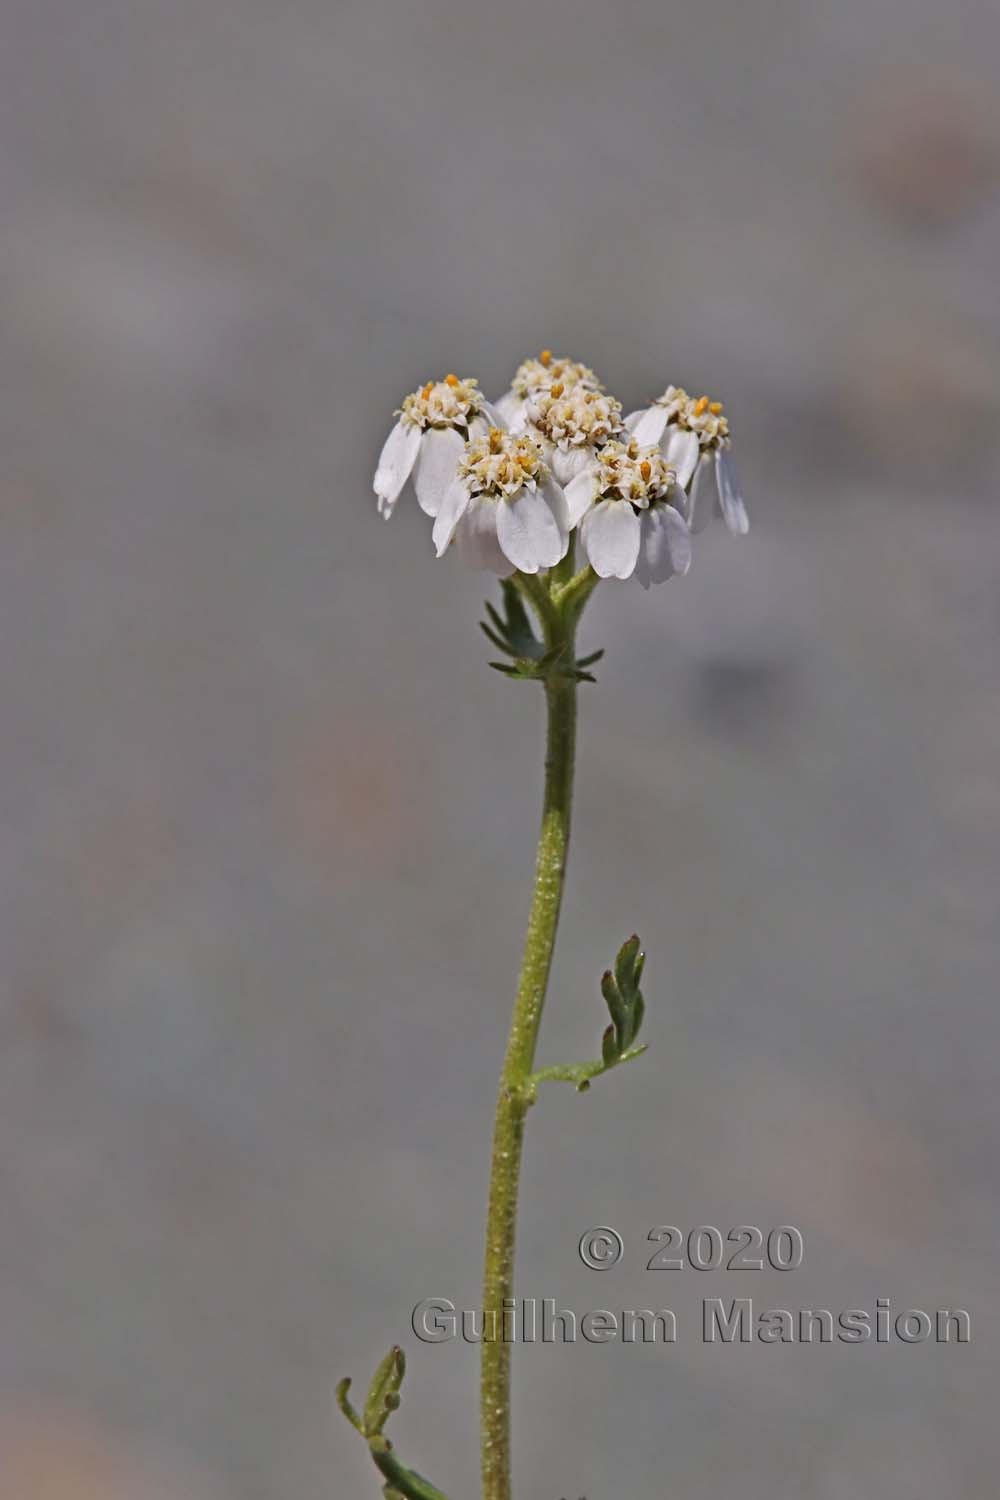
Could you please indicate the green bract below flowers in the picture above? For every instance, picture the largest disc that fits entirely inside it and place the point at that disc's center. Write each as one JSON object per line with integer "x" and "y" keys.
{"x": 507, "y": 484}
{"x": 511, "y": 487}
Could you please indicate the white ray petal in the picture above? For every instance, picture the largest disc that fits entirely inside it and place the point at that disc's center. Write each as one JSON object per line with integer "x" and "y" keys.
{"x": 610, "y": 536}
{"x": 579, "y": 494}
{"x": 734, "y": 512}
{"x": 529, "y": 531}
{"x": 678, "y": 538}
{"x": 566, "y": 463}
{"x": 555, "y": 497}
{"x": 704, "y": 493}
{"x": 395, "y": 463}
{"x": 510, "y": 409}
{"x": 453, "y": 506}
{"x": 664, "y": 547}
{"x": 680, "y": 449}
{"x": 648, "y": 428}
{"x": 476, "y": 538}
{"x": 441, "y": 449}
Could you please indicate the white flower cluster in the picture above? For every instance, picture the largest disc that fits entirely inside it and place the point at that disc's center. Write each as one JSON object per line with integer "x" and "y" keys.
{"x": 508, "y": 484}
{"x": 534, "y": 376}
{"x": 435, "y": 423}
{"x": 500, "y": 463}
{"x": 443, "y": 403}
{"x": 631, "y": 513}
{"x": 573, "y": 422}
{"x": 694, "y": 434}
{"x": 503, "y": 509}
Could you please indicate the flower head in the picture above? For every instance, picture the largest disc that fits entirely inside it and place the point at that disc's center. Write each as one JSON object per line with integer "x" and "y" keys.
{"x": 693, "y": 435}
{"x": 572, "y": 423}
{"x": 503, "y": 508}
{"x": 697, "y": 414}
{"x": 443, "y": 403}
{"x": 630, "y": 509}
{"x": 627, "y": 471}
{"x": 501, "y": 463}
{"x": 534, "y": 376}
{"x": 427, "y": 442}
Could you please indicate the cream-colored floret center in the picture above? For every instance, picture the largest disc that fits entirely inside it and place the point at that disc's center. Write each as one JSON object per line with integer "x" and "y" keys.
{"x": 501, "y": 464}
{"x": 574, "y": 416}
{"x": 547, "y": 370}
{"x": 697, "y": 414}
{"x": 627, "y": 472}
{"x": 443, "y": 403}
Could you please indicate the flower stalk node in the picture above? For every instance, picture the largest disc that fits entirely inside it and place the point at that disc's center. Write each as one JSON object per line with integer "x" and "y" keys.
{"x": 531, "y": 659}
{"x": 623, "y": 997}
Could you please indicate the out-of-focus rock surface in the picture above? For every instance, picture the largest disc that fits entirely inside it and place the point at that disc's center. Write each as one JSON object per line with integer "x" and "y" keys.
{"x": 267, "y": 818}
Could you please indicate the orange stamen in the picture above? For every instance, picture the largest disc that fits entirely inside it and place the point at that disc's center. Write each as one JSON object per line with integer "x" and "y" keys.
{"x": 645, "y": 469}
{"x": 715, "y": 407}
{"x": 701, "y": 406}
{"x": 451, "y": 380}
{"x": 545, "y": 357}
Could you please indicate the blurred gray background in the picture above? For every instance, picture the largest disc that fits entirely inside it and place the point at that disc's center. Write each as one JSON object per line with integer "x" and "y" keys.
{"x": 268, "y": 819}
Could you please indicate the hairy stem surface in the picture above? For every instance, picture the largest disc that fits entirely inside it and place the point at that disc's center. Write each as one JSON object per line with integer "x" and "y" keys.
{"x": 513, "y": 1100}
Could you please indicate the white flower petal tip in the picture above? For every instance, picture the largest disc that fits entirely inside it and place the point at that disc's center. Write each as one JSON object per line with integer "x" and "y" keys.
{"x": 529, "y": 530}
{"x": 395, "y": 465}
{"x": 609, "y": 534}
{"x": 453, "y": 506}
{"x": 438, "y": 458}
{"x": 734, "y": 512}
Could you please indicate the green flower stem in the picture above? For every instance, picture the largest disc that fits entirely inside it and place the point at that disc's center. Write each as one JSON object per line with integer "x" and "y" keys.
{"x": 401, "y": 1480}
{"x": 572, "y": 596}
{"x": 580, "y": 1074}
{"x": 558, "y": 620}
